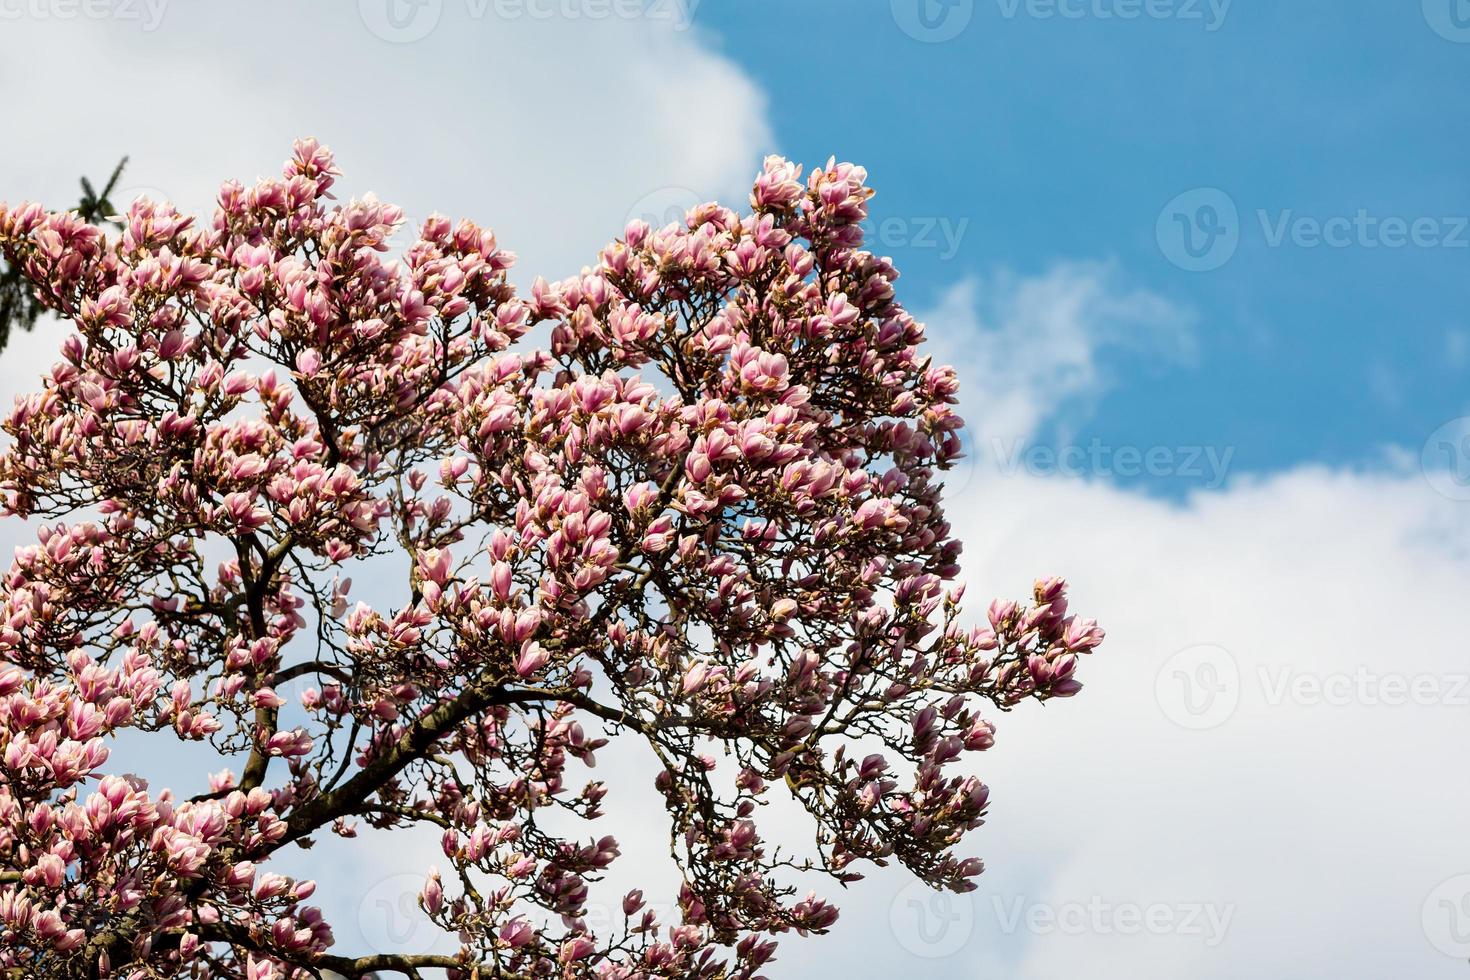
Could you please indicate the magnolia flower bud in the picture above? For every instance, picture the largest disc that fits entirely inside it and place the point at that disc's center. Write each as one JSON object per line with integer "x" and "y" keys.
{"x": 433, "y": 893}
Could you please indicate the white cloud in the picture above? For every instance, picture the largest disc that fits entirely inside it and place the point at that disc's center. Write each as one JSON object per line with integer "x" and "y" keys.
{"x": 1027, "y": 347}
{"x": 550, "y": 130}
{"x": 1136, "y": 834}
{"x": 1316, "y": 822}
{"x": 1309, "y": 827}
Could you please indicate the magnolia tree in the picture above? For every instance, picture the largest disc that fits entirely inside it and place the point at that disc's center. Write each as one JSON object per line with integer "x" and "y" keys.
{"x": 689, "y": 498}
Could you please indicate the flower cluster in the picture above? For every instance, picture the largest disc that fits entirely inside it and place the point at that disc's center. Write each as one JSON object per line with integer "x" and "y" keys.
{"x": 706, "y": 514}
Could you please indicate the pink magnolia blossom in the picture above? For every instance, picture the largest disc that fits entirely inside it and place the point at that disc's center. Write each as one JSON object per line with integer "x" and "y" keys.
{"x": 706, "y": 515}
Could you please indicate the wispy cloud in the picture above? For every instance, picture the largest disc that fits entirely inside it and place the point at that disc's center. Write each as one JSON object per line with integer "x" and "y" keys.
{"x": 1030, "y": 349}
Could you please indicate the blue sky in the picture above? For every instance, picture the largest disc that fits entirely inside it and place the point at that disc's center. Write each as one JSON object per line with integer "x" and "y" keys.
{"x": 1064, "y": 138}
